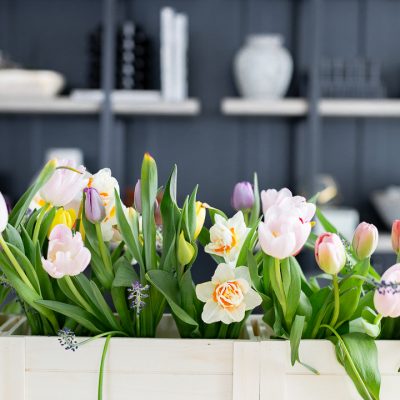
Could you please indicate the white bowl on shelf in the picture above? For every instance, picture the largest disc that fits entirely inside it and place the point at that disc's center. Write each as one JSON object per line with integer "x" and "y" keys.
{"x": 387, "y": 203}
{"x": 17, "y": 83}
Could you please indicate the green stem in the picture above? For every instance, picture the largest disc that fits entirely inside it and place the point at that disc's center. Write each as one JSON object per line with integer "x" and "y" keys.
{"x": 281, "y": 296}
{"x": 336, "y": 293}
{"x": 137, "y": 324}
{"x": 103, "y": 250}
{"x": 15, "y": 263}
{"x": 378, "y": 319}
{"x": 223, "y": 329}
{"x": 99, "y": 336}
{"x": 101, "y": 374}
{"x": 398, "y": 257}
{"x": 351, "y": 362}
{"x": 77, "y": 295}
{"x": 39, "y": 221}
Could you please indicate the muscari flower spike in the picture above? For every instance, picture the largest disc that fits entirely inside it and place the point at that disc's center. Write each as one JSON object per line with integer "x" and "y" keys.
{"x": 384, "y": 287}
{"x": 137, "y": 294}
{"x": 67, "y": 339}
{"x": 4, "y": 281}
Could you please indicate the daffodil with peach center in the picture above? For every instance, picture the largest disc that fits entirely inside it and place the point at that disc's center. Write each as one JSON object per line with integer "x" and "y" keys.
{"x": 228, "y": 296}
{"x": 227, "y": 237}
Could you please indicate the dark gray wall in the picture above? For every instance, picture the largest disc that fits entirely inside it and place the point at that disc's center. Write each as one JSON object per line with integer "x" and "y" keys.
{"x": 212, "y": 150}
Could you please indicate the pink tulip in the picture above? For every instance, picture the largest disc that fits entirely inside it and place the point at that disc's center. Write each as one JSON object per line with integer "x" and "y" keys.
{"x": 365, "y": 240}
{"x": 330, "y": 253}
{"x": 396, "y": 236}
{"x": 64, "y": 184}
{"x": 287, "y": 202}
{"x": 66, "y": 253}
{"x": 387, "y": 295}
{"x": 282, "y": 234}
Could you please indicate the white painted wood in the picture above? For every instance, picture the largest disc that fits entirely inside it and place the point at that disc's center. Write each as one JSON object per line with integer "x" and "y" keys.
{"x": 66, "y": 105}
{"x": 246, "y": 370}
{"x": 12, "y": 368}
{"x": 291, "y": 107}
{"x": 284, "y": 107}
{"x": 280, "y": 381}
{"x": 379, "y": 108}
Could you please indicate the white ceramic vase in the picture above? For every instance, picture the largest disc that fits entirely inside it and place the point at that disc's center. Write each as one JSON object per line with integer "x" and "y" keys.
{"x": 263, "y": 67}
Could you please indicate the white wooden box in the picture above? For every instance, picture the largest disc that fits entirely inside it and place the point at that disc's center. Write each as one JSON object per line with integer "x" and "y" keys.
{"x": 38, "y": 368}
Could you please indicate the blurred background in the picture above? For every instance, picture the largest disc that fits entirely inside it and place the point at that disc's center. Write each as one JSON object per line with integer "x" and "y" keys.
{"x": 305, "y": 92}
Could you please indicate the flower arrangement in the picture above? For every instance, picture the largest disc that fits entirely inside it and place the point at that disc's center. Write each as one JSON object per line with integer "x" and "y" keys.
{"x": 82, "y": 263}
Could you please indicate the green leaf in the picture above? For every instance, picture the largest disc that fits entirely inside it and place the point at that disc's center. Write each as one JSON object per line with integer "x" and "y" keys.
{"x": 12, "y": 236}
{"x": 79, "y": 315}
{"x": 295, "y": 337}
{"x": 255, "y": 211}
{"x": 253, "y": 270}
{"x": 148, "y": 196}
{"x": 125, "y": 274}
{"x": 120, "y": 303}
{"x": 213, "y": 211}
{"x": 350, "y": 290}
{"x": 247, "y": 246}
{"x": 359, "y": 356}
{"x": 366, "y": 323}
{"x": 292, "y": 289}
{"x": 168, "y": 286}
{"x": 130, "y": 237}
{"x": 22, "y": 205}
{"x": 190, "y": 218}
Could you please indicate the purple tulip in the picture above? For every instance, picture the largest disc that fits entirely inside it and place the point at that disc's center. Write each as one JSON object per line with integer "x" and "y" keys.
{"x": 137, "y": 197}
{"x": 243, "y": 196}
{"x": 94, "y": 207}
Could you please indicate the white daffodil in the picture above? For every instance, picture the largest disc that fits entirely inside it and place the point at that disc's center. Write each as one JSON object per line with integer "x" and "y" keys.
{"x": 227, "y": 237}
{"x": 228, "y": 296}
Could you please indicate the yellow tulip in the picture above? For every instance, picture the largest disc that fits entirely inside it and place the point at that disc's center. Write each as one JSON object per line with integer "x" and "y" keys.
{"x": 185, "y": 250}
{"x": 200, "y": 217}
{"x": 65, "y": 217}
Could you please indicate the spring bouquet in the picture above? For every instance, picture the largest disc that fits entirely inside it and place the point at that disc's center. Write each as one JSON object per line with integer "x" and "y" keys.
{"x": 83, "y": 263}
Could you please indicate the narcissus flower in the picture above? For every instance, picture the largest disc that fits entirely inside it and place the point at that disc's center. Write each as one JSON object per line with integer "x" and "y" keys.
{"x": 66, "y": 253}
{"x": 242, "y": 196}
{"x": 64, "y": 184}
{"x": 330, "y": 253}
{"x": 387, "y": 295}
{"x": 365, "y": 240}
{"x": 63, "y": 217}
{"x": 228, "y": 296}
{"x": 227, "y": 237}
{"x": 3, "y": 213}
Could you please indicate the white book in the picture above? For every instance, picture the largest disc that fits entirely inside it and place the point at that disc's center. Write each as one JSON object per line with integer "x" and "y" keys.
{"x": 167, "y": 49}
{"x": 181, "y": 46}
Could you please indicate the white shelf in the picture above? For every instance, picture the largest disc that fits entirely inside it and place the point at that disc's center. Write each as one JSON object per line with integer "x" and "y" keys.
{"x": 285, "y": 107}
{"x": 380, "y": 108}
{"x": 385, "y": 243}
{"x": 65, "y": 105}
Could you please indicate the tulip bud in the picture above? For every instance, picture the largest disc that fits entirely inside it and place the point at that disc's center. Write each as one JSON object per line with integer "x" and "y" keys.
{"x": 137, "y": 197}
{"x": 157, "y": 209}
{"x": 387, "y": 294}
{"x": 185, "y": 250}
{"x": 330, "y": 253}
{"x": 200, "y": 218}
{"x": 94, "y": 207}
{"x": 365, "y": 240}
{"x": 243, "y": 196}
{"x": 396, "y": 236}
{"x": 64, "y": 217}
{"x": 3, "y": 213}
